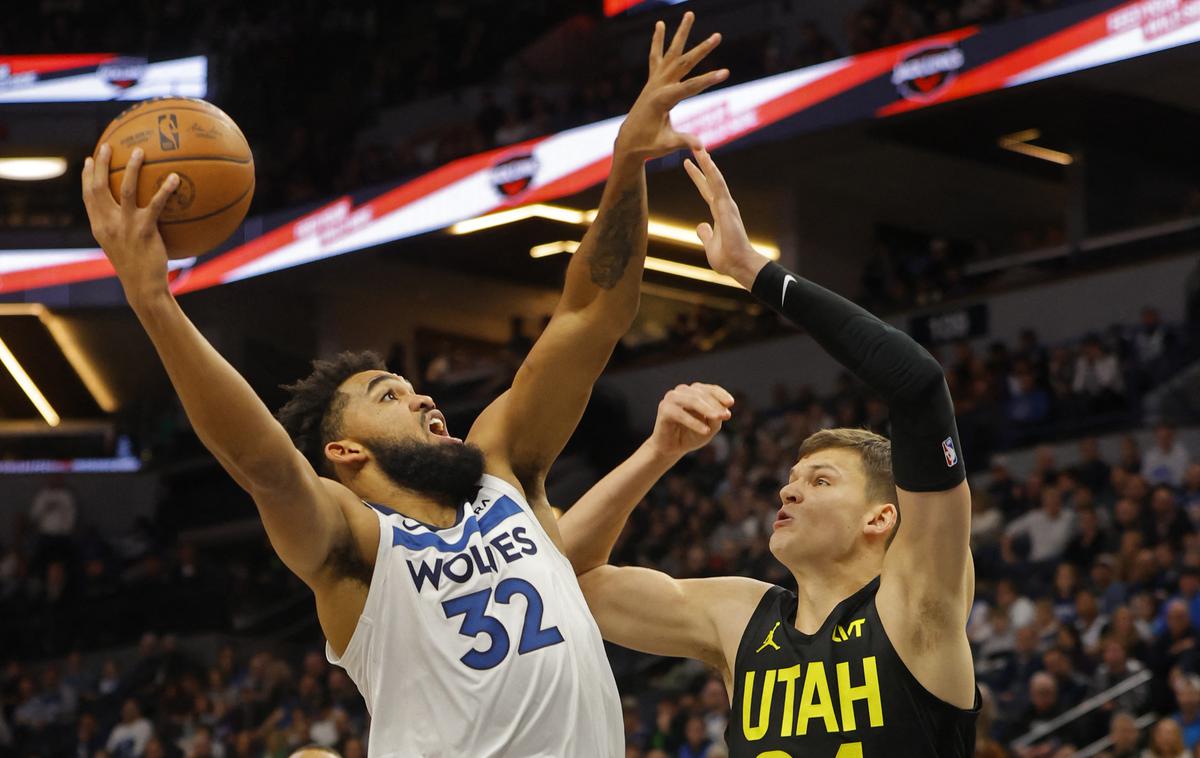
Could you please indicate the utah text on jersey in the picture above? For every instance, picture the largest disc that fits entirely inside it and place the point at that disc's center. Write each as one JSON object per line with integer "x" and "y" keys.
{"x": 818, "y": 695}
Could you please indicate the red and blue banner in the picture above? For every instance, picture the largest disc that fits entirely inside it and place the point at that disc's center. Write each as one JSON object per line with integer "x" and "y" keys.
{"x": 97, "y": 77}
{"x": 899, "y": 79}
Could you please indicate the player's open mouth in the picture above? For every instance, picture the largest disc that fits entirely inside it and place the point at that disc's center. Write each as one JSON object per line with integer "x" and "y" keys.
{"x": 435, "y": 424}
{"x": 781, "y": 520}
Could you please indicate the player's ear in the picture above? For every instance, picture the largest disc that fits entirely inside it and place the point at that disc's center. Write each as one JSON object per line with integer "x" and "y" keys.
{"x": 882, "y": 519}
{"x": 347, "y": 453}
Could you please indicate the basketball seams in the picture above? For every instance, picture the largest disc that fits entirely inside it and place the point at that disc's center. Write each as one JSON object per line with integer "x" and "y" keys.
{"x": 218, "y": 158}
{"x": 210, "y": 214}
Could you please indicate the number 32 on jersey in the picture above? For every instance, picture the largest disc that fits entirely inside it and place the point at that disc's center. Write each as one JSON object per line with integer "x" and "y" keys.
{"x": 475, "y": 622}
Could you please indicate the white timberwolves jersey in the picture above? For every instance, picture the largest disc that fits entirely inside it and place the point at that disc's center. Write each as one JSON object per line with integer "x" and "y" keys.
{"x": 476, "y": 641}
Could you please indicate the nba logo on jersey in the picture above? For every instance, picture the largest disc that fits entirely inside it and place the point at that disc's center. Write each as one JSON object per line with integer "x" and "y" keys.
{"x": 948, "y": 451}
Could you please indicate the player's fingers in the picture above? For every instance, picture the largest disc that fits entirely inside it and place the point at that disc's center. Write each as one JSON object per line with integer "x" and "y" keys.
{"x": 688, "y": 60}
{"x": 698, "y": 179}
{"x": 688, "y": 421}
{"x": 159, "y": 201}
{"x": 694, "y": 86}
{"x": 100, "y": 174}
{"x": 681, "y": 34}
{"x": 656, "y": 44}
{"x": 720, "y": 393}
{"x": 710, "y": 425}
{"x": 716, "y": 180}
{"x": 717, "y": 394}
{"x": 705, "y": 408}
{"x": 133, "y": 168}
{"x": 86, "y": 181}
{"x": 705, "y": 233}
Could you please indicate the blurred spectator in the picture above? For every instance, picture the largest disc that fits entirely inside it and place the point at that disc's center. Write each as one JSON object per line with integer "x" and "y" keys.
{"x": 1166, "y": 741}
{"x": 1089, "y": 621}
{"x": 1048, "y": 530}
{"x": 1168, "y": 524}
{"x": 53, "y": 513}
{"x": 1125, "y": 737}
{"x": 1153, "y": 344}
{"x": 987, "y": 522}
{"x": 1167, "y": 461}
{"x": 1189, "y": 594}
{"x": 1090, "y": 541}
{"x": 1028, "y": 403}
{"x": 1072, "y": 686}
{"x": 1177, "y": 646}
{"x": 128, "y": 738}
{"x": 1190, "y": 493}
{"x": 1098, "y": 377}
{"x": 1091, "y": 471}
{"x": 1042, "y": 706}
{"x": 1130, "y": 455}
{"x": 1186, "y": 688}
{"x": 696, "y": 742}
{"x": 1115, "y": 668}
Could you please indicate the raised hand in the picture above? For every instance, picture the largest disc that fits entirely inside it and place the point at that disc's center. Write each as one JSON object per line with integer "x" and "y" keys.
{"x": 689, "y": 417}
{"x": 725, "y": 242}
{"x": 128, "y": 234}
{"x": 647, "y": 131}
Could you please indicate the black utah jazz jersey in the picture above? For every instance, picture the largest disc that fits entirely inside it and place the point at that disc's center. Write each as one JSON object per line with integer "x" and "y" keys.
{"x": 840, "y": 693}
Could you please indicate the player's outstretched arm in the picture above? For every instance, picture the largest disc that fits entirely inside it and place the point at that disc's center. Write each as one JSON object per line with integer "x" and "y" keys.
{"x": 300, "y": 513}
{"x": 644, "y": 609}
{"x": 525, "y": 429}
{"x": 689, "y": 416}
{"x": 924, "y": 594}
{"x": 648, "y": 610}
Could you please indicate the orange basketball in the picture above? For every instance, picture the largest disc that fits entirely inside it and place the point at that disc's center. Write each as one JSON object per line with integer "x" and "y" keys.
{"x": 197, "y": 141}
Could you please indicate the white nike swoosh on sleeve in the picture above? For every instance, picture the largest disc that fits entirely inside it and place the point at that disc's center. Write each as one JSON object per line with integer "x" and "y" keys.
{"x": 786, "y": 280}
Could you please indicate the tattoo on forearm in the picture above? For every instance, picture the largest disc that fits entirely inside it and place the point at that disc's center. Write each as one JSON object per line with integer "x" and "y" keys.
{"x": 618, "y": 239}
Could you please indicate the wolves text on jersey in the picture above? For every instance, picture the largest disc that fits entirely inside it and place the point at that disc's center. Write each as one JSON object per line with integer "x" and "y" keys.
{"x": 460, "y": 567}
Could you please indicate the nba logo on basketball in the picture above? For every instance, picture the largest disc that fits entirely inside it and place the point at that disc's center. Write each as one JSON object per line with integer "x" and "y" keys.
{"x": 949, "y": 452}
{"x": 168, "y": 132}
{"x": 923, "y": 74}
{"x": 512, "y": 176}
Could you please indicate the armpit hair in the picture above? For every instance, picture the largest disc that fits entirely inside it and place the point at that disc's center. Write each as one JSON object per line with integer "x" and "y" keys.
{"x": 345, "y": 562}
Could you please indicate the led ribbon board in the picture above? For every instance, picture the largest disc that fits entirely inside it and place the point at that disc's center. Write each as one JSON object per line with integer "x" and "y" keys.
{"x": 881, "y": 83}
{"x": 97, "y": 77}
{"x": 617, "y": 7}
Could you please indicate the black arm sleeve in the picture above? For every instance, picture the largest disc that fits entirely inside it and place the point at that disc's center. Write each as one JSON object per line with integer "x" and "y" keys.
{"x": 925, "y": 447}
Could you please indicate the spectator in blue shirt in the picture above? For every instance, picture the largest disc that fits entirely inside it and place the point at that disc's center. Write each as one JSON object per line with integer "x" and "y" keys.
{"x": 1187, "y": 696}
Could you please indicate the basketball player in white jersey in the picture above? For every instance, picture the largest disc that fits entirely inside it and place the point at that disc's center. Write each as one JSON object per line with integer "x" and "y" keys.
{"x": 437, "y": 565}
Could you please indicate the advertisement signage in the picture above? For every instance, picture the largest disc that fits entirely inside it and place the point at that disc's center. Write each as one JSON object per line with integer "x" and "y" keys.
{"x": 98, "y": 77}
{"x": 899, "y": 79}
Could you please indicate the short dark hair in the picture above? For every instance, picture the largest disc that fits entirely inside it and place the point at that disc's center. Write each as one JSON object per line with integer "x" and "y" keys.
{"x": 313, "y": 415}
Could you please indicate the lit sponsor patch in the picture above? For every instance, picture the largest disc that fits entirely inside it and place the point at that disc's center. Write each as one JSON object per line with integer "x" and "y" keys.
{"x": 924, "y": 73}
{"x": 949, "y": 451}
{"x": 123, "y": 73}
{"x": 513, "y": 176}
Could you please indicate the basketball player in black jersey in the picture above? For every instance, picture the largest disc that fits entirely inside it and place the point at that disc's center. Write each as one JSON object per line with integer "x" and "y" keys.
{"x": 869, "y": 658}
